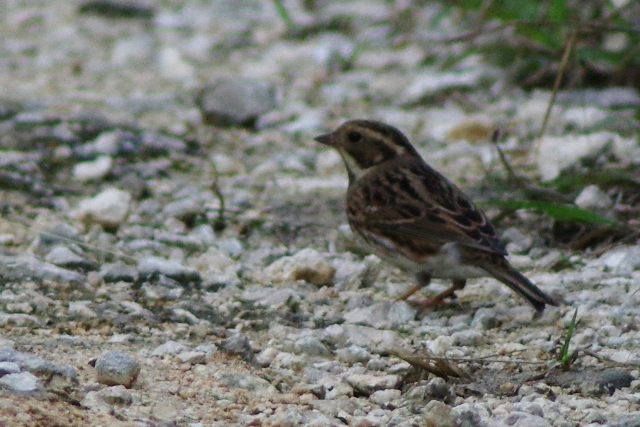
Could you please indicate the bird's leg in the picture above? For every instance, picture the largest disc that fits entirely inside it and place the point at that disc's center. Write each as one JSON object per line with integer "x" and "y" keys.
{"x": 423, "y": 281}
{"x": 437, "y": 299}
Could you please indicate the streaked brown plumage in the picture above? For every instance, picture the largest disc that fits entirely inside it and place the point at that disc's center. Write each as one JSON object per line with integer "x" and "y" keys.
{"x": 412, "y": 216}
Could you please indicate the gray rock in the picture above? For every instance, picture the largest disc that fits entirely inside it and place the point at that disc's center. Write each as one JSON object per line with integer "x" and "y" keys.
{"x": 93, "y": 170}
{"x": 169, "y": 347}
{"x": 59, "y": 233}
{"x": 62, "y": 256}
{"x": 439, "y": 414}
{"x": 248, "y": 382}
{"x": 367, "y": 383}
{"x": 61, "y": 379}
{"x": 117, "y": 368}
{"x": 9, "y": 368}
{"x": 556, "y": 153}
{"x": 94, "y": 402}
{"x": 25, "y": 266}
{"x": 240, "y": 345}
{"x": 235, "y": 101}
{"x": 299, "y": 417}
{"x": 485, "y": 319}
{"x": 108, "y": 208}
{"x": 468, "y": 338}
{"x": 183, "y": 209}
{"x": 523, "y": 419}
{"x": 631, "y": 420}
{"x": 467, "y": 415}
{"x": 385, "y": 397}
{"x": 152, "y": 266}
{"x": 23, "y": 381}
{"x": 308, "y": 265}
{"x": 438, "y": 389}
{"x": 116, "y": 395}
{"x": 81, "y": 310}
{"x": 160, "y": 292}
{"x": 377, "y": 341}
{"x": 592, "y": 383}
{"x": 118, "y": 272}
{"x": 192, "y": 357}
{"x": 593, "y": 198}
{"x": 353, "y": 354}
{"x": 622, "y": 260}
{"x": 311, "y": 346}
{"x": 401, "y": 313}
{"x": 333, "y": 387}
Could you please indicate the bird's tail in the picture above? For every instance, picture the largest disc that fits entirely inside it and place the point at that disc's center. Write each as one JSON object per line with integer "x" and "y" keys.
{"x": 520, "y": 284}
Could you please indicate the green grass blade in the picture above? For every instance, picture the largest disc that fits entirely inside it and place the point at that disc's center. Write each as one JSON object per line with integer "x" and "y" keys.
{"x": 557, "y": 211}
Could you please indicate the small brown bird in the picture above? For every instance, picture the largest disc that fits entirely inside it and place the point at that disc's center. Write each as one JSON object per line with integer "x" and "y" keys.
{"x": 410, "y": 215}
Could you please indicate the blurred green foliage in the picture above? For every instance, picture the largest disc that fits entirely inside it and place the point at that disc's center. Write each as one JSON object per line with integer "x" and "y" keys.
{"x": 529, "y": 37}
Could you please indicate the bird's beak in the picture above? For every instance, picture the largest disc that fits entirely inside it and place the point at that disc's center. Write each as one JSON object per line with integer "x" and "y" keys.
{"x": 325, "y": 139}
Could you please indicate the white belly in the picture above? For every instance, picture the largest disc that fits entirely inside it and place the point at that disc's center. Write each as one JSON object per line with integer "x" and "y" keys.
{"x": 443, "y": 265}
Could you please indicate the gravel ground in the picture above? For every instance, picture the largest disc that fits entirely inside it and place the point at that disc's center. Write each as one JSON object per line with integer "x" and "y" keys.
{"x": 128, "y": 299}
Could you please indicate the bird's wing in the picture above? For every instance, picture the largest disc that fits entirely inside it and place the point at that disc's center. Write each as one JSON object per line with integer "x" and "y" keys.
{"x": 409, "y": 203}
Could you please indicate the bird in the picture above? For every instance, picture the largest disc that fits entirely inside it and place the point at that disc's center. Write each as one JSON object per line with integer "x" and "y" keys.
{"x": 407, "y": 213}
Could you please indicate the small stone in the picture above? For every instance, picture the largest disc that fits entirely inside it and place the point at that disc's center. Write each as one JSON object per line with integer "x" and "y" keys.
{"x": 437, "y": 414}
{"x": 192, "y": 357}
{"x": 468, "y": 338}
{"x": 385, "y": 397}
{"x": 401, "y": 313}
{"x": 485, "y": 319}
{"x": 118, "y": 272}
{"x": 169, "y": 347}
{"x": 62, "y": 256}
{"x": 116, "y": 395}
{"x": 247, "y": 382}
{"x": 59, "y": 233}
{"x": 308, "y": 265}
{"x": 631, "y": 420}
{"x": 239, "y": 344}
{"x": 376, "y": 340}
{"x": 311, "y": 346}
{"x": 367, "y": 383}
{"x": 93, "y": 171}
{"x": 437, "y": 388}
{"x": 23, "y": 381}
{"x": 227, "y": 165}
{"x": 95, "y": 403}
{"x": 80, "y": 309}
{"x": 9, "y": 368}
{"x": 20, "y": 267}
{"x": 622, "y": 260}
{"x": 593, "y": 198}
{"x": 180, "y": 315}
{"x": 117, "y": 368}
{"x": 467, "y": 415}
{"x": 556, "y": 153}
{"x": 184, "y": 209}
{"x": 353, "y": 354}
{"x": 524, "y": 419}
{"x": 235, "y": 101}
{"x": 109, "y": 208}
{"x": 151, "y": 266}
{"x": 333, "y": 387}
{"x": 266, "y": 356}
{"x": 593, "y": 383}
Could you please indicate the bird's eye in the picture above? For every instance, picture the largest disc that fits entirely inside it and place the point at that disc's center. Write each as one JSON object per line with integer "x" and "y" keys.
{"x": 354, "y": 136}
